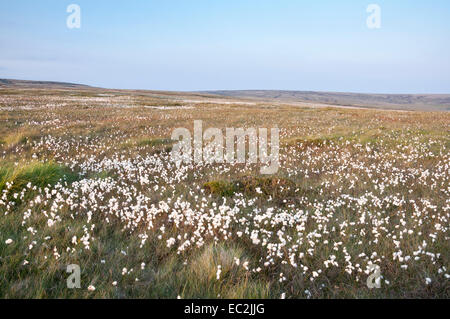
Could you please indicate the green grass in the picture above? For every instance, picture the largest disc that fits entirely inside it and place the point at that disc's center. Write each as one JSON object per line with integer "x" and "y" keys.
{"x": 38, "y": 174}
{"x": 154, "y": 142}
{"x": 221, "y": 188}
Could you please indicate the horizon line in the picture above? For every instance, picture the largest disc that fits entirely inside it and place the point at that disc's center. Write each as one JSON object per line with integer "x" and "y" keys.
{"x": 215, "y": 90}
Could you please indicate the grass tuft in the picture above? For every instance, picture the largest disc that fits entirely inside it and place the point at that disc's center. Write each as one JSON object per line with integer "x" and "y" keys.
{"x": 221, "y": 188}
{"x": 38, "y": 174}
{"x": 154, "y": 142}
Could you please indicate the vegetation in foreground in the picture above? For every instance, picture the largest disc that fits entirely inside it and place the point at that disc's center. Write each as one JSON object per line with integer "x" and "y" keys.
{"x": 85, "y": 178}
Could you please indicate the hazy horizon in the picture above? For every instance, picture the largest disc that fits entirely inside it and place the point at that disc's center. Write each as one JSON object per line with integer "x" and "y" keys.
{"x": 235, "y": 45}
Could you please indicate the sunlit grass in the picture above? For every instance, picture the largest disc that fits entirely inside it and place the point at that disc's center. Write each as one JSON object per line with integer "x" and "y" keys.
{"x": 87, "y": 179}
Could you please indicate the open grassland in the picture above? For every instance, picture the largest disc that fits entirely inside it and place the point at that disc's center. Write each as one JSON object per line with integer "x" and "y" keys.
{"x": 86, "y": 178}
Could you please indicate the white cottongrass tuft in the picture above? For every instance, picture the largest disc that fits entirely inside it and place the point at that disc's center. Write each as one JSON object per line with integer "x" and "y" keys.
{"x": 219, "y": 271}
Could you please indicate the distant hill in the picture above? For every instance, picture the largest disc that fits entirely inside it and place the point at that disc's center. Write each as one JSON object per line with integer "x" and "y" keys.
{"x": 431, "y": 102}
{"x": 38, "y": 84}
{"x": 423, "y": 102}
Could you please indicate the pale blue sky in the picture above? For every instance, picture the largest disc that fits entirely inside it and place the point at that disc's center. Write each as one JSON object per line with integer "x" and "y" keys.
{"x": 321, "y": 45}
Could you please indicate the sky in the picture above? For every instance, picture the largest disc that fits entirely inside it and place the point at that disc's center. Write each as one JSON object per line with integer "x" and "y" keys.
{"x": 321, "y": 45}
